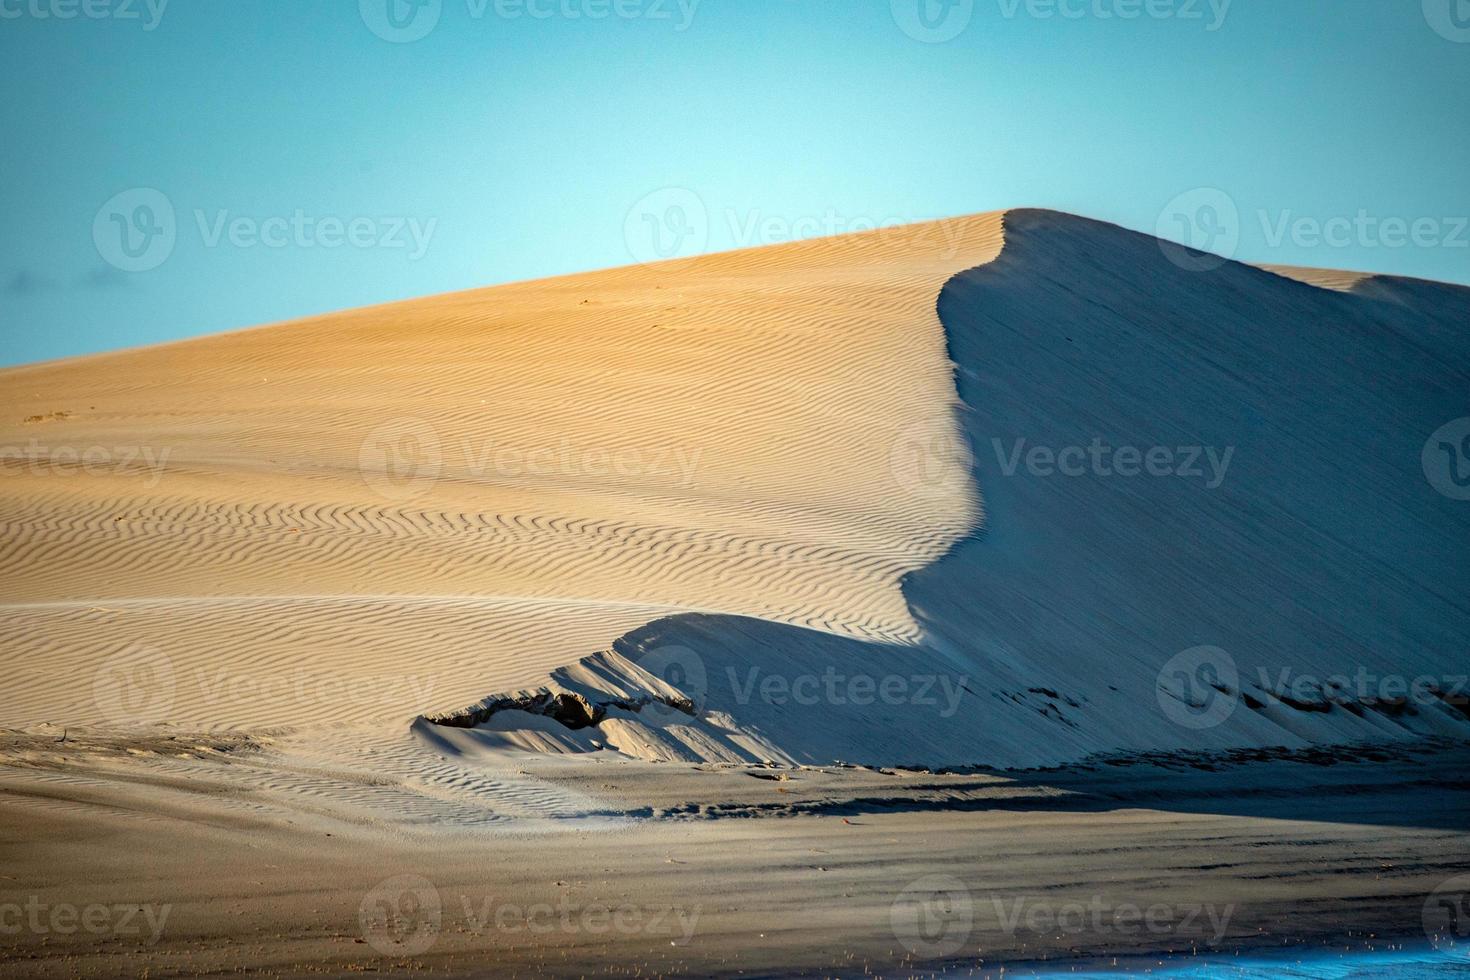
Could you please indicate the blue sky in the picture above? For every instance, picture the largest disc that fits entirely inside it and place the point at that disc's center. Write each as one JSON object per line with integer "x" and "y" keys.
{"x": 178, "y": 168}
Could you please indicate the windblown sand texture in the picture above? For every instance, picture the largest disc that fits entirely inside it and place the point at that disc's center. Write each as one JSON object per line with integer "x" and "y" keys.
{"x": 458, "y": 494}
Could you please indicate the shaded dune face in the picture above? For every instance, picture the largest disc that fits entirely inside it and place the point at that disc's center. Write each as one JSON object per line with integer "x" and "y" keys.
{"x": 1321, "y": 549}
{"x": 360, "y": 517}
{"x": 1282, "y": 534}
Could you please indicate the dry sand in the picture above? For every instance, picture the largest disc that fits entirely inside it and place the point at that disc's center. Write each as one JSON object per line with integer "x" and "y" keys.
{"x": 720, "y": 871}
{"x": 474, "y": 489}
{"x": 237, "y": 571}
{"x": 1274, "y": 565}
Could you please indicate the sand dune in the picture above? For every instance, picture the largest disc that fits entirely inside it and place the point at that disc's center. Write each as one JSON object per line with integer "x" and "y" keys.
{"x": 627, "y": 497}
{"x": 343, "y": 611}
{"x": 1283, "y": 578}
{"x": 475, "y": 489}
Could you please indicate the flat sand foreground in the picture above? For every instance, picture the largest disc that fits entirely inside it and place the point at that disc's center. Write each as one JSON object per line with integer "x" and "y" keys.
{"x": 745, "y": 872}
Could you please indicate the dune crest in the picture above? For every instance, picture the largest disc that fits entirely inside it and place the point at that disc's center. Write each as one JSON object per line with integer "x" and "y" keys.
{"x": 1335, "y": 279}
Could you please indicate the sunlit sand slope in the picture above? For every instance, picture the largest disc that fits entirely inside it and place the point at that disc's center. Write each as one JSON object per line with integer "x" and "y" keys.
{"x": 1278, "y": 559}
{"x": 477, "y": 488}
{"x": 1337, "y": 279}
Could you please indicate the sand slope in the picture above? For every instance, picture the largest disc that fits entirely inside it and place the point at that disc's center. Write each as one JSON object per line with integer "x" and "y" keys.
{"x": 751, "y": 468}
{"x": 605, "y": 510}
{"x": 467, "y": 491}
{"x": 1291, "y": 539}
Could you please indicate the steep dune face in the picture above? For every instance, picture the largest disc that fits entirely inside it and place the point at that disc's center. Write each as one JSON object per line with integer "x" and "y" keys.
{"x": 376, "y": 513}
{"x": 1208, "y": 526}
{"x": 1321, "y": 549}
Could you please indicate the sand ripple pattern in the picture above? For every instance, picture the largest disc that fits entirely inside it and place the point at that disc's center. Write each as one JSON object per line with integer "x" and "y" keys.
{"x": 473, "y": 489}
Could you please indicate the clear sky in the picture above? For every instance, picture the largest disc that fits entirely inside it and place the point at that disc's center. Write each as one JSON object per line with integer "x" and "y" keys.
{"x": 178, "y": 168}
